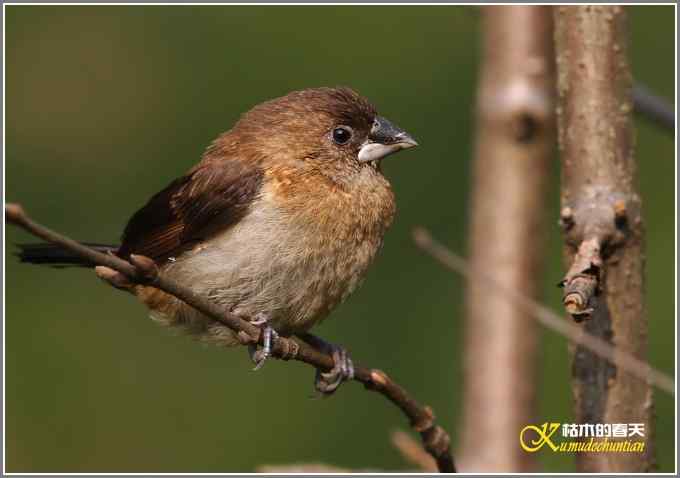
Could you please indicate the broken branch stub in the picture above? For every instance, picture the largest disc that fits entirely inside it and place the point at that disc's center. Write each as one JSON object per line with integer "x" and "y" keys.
{"x": 581, "y": 284}
{"x": 595, "y": 226}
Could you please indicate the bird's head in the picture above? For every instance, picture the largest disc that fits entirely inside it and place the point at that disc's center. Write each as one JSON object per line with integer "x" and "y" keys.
{"x": 332, "y": 130}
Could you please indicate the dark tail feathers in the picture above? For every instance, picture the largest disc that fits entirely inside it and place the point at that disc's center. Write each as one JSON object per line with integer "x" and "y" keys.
{"x": 57, "y": 256}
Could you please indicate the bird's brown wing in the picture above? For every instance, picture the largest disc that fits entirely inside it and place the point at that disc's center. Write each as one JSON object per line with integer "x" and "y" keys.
{"x": 211, "y": 197}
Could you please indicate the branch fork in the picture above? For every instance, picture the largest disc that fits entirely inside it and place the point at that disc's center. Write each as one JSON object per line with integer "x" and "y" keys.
{"x": 596, "y": 227}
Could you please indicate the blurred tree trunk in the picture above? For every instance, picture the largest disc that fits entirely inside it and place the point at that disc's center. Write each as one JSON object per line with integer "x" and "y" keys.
{"x": 515, "y": 137}
{"x": 601, "y": 216}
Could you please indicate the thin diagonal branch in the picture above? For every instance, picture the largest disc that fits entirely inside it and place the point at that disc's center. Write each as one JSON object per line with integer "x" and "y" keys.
{"x": 549, "y": 319}
{"x": 653, "y": 107}
{"x": 143, "y": 270}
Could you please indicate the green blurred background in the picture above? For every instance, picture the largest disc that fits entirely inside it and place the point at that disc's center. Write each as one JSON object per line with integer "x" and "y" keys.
{"x": 105, "y": 105}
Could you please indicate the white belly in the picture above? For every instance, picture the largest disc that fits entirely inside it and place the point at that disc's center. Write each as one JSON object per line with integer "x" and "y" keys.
{"x": 262, "y": 265}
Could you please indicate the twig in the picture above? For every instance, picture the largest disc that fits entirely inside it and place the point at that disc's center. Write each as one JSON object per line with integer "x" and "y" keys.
{"x": 653, "y": 107}
{"x": 297, "y": 468}
{"x": 412, "y": 451}
{"x": 144, "y": 271}
{"x": 581, "y": 283}
{"x": 637, "y": 368}
{"x": 402, "y": 441}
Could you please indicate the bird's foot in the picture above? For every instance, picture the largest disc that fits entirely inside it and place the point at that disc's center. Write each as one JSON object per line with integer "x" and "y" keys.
{"x": 269, "y": 335}
{"x": 343, "y": 368}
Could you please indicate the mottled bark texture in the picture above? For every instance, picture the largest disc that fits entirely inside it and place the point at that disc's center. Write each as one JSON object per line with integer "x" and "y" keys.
{"x": 515, "y": 134}
{"x": 601, "y": 218}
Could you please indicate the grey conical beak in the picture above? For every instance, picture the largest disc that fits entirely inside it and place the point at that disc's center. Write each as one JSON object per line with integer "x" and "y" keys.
{"x": 384, "y": 139}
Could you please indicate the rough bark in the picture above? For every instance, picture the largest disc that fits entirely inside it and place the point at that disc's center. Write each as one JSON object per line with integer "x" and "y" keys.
{"x": 601, "y": 218}
{"x": 514, "y": 141}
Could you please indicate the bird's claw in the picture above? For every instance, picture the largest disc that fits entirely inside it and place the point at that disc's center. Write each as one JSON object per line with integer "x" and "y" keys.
{"x": 343, "y": 369}
{"x": 269, "y": 335}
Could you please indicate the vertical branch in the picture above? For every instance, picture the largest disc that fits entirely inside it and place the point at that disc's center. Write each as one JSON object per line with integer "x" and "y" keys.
{"x": 602, "y": 222}
{"x": 514, "y": 143}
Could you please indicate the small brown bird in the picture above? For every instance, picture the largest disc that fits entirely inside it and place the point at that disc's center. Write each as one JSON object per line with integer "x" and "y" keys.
{"x": 278, "y": 222}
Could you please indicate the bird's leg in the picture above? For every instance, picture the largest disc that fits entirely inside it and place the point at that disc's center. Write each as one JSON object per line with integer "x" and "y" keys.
{"x": 343, "y": 368}
{"x": 269, "y": 335}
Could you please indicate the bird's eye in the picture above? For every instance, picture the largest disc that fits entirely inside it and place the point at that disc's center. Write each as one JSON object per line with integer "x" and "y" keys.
{"x": 342, "y": 134}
